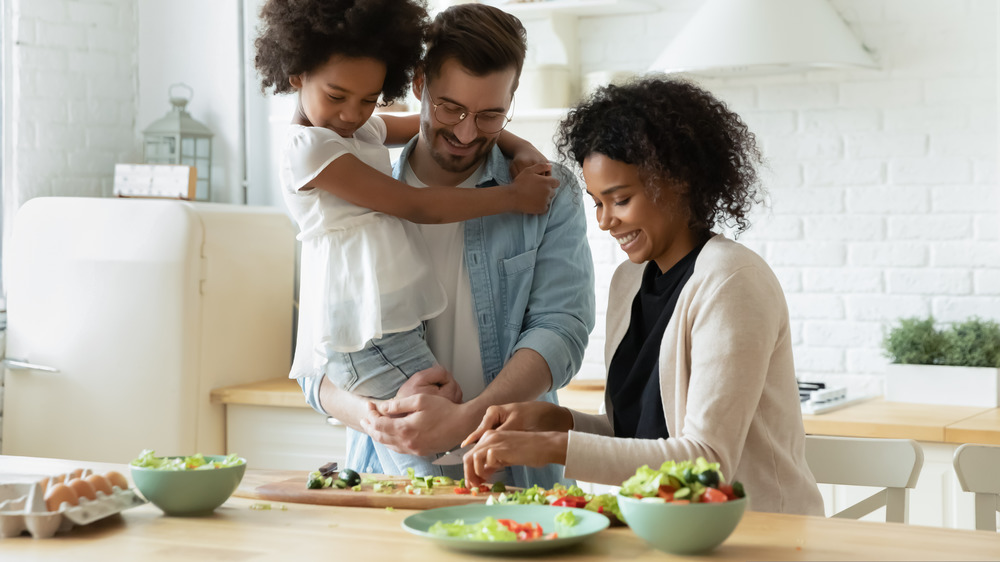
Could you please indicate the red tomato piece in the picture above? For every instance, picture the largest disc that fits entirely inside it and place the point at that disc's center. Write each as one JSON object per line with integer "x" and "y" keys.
{"x": 570, "y": 501}
{"x": 666, "y": 492}
{"x": 728, "y": 490}
{"x": 484, "y": 488}
{"x": 461, "y": 490}
{"x": 712, "y": 495}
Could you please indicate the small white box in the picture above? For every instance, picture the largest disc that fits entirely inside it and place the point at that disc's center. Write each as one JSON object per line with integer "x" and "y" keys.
{"x": 155, "y": 180}
{"x": 943, "y": 384}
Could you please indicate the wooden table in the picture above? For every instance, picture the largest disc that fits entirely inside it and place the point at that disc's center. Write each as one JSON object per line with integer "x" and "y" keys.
{"x": 305, "y": 532}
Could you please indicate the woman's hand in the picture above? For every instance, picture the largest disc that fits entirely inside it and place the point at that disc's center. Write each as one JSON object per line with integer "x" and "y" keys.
{"x": 436, "y": 380}
{"x": 497, "y": 449}
{"x": 523, "y": 416}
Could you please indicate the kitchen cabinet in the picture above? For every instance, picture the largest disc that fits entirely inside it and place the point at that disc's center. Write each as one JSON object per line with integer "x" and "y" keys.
{"x": 270, "y": 424}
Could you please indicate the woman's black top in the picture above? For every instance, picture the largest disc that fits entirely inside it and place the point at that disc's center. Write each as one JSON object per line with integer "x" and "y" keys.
{"x": 633, "y": 376}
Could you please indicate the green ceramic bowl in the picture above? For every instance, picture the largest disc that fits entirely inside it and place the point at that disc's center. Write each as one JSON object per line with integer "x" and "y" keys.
{"x": 188, "y": 492}
{"x": 682, "y": 528}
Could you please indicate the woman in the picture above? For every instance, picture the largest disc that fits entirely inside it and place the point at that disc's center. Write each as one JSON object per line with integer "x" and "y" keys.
{"x": 698, "y": 348}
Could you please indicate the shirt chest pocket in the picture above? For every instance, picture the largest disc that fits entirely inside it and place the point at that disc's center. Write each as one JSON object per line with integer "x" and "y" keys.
{"x": 516, "y": 275}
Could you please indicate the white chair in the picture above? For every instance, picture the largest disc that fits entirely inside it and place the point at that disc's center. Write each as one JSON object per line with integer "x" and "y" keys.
{"x": 978, "y": 471}
{"x": 890, "y": 464}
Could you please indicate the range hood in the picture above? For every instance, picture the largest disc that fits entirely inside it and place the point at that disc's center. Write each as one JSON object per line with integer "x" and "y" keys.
{"x": 756, "y": 37}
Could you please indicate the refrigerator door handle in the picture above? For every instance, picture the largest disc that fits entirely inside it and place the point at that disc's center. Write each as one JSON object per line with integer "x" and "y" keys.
{"x": 14, "y": 364}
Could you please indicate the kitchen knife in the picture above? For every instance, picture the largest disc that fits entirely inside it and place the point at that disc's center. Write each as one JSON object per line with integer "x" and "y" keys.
{"x": 453, "y": 456}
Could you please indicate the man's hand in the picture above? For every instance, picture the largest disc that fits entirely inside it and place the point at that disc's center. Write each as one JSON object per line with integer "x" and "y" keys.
{"x": 436, "y": 380}
{"x": 421, "y": 424}
{"x": 523, "y": 416}
{"x": 497, "y": 449}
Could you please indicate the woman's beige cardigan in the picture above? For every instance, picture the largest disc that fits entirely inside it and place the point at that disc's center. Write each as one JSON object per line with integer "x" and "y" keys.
{"x": 727, "y": 381}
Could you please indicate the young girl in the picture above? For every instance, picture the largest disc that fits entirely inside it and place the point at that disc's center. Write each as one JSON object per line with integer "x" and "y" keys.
{"x": 366, "y": 287}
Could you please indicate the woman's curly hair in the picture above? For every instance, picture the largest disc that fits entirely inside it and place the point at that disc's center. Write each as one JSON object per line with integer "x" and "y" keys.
{"x": 680, "y": 137}
{"x": 298, "y": 36}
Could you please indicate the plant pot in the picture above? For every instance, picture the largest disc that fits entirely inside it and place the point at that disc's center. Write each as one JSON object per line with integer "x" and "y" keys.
{"x": 943, "y": 384}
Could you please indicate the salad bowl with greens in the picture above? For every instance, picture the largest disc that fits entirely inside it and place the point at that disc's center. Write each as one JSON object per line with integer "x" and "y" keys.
{"x": 187, "y": 485}
{"x": 684, "y": 507}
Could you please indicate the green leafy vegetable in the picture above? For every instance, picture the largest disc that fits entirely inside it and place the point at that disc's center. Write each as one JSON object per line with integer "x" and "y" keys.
{"x": 148, "y": 459}
{"x": 566, "y": 518}
{"x": 605, "y": 503}
{"x": 489, "y": 529}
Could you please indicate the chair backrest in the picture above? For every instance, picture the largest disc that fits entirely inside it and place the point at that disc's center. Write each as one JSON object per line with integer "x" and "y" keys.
{"x": 978, "y": 471}
{"x": 891, "y": 464}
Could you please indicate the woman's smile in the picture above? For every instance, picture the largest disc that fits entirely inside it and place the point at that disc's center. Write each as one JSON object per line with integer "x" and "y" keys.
{"x": 624, "y": 239}
{"x": 645, "y": 229}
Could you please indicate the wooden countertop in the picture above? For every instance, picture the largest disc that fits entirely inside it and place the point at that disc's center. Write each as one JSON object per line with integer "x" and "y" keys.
{"x": 308, "y": 532}
{"x": 583, "y": 396}
{"x": 874, "y": 418}
{"x": 899, "y": 420}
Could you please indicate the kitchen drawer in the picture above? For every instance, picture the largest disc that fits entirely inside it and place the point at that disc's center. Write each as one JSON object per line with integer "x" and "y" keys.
{"x": 281, "y": 438}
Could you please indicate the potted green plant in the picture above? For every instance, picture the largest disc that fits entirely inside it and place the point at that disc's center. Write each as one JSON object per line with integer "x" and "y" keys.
{"x": 957, "y": 364}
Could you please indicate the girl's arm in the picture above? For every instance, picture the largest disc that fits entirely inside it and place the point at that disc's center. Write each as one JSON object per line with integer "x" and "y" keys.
{"x": 522, "y": 153}
{"x": 399, "y": 129}
{"x": 354, "y": 181}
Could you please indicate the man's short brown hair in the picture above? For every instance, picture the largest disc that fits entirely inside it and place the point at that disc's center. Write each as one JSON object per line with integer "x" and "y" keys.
{"x": 482, "y": 38}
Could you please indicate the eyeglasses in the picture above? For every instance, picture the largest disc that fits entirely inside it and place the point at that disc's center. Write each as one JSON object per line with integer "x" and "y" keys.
{"x": 489, "y": 122}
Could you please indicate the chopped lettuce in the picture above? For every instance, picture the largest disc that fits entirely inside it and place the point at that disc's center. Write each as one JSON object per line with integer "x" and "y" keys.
{"x": 489, "y": 529}
{"x": 605, "y": 503}
{"x": 148, "y": 459}
{"x": 566, "y": 518}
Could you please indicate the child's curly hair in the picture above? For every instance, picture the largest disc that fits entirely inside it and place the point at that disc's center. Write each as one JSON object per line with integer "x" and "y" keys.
{"x": 680, "y": 137}
{"x": 298, "y": 36}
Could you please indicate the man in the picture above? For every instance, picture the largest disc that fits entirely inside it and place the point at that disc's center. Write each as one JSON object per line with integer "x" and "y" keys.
{"x": 520, "y": 287}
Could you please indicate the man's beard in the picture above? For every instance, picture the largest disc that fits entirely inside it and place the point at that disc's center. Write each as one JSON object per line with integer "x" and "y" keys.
{"x": 460, "y": 164}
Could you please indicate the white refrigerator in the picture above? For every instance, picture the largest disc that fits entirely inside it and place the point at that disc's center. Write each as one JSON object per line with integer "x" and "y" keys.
{"x": 124, "y": 314}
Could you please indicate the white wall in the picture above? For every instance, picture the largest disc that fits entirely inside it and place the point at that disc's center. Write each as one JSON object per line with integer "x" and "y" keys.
{"x": 883, "y": 184}
{"x": 196, "y": 42}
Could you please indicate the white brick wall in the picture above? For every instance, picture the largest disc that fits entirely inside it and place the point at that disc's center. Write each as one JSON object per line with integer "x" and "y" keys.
{"x": 73, "y": 97}
{"x": 883, "y": 192}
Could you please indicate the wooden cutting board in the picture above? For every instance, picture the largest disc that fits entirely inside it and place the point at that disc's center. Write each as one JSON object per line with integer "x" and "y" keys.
{"x": 290, "y": 487}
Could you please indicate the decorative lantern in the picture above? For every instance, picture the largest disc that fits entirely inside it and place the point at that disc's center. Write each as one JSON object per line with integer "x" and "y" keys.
{"x": 178, "y": 139}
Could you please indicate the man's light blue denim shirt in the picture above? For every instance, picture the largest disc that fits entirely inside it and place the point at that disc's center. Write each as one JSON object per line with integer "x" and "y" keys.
{"x": 532, "y": 279}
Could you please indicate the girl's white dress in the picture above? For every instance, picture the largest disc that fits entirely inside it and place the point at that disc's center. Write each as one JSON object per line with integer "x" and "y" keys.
{"x": 363, "y": 274}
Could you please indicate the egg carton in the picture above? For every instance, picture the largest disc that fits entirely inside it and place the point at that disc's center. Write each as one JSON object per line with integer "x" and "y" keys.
{"x": 22, "y": 508}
